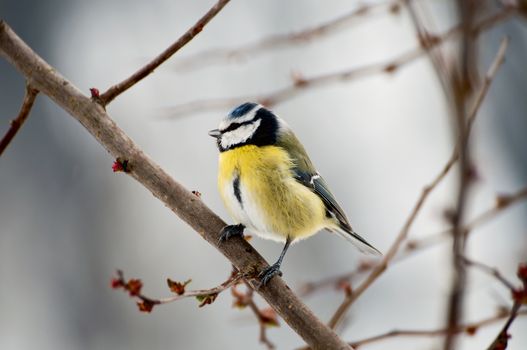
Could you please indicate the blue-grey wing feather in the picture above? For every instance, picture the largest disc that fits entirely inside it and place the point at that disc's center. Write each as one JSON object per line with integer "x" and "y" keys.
{"x": 306, "y": 174}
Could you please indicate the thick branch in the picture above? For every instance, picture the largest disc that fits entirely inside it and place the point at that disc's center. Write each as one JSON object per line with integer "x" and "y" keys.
{"x": 181, "y": 201}
{"x": 119, "y": 88}
{"x": 17, "y": 123}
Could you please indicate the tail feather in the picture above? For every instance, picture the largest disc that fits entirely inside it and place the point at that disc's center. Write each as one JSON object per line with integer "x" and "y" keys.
{"x": 357, "y": 241}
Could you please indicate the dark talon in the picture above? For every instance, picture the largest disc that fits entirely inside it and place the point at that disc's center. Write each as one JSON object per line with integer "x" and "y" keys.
{"x": 231, "y": 231}
{"x": 266, "y": 275}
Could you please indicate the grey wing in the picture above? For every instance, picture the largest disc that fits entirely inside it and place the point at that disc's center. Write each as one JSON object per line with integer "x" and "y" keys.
{"x": 306, "y": 174}
{"x": 319, "y": 186}
{"x": 315, "y": 182}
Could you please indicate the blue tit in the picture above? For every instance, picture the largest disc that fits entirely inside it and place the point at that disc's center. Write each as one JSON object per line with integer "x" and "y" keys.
{"x": 270, "y": 186}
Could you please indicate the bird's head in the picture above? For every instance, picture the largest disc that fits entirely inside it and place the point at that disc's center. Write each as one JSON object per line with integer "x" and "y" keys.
{"x": 248, "y": 124}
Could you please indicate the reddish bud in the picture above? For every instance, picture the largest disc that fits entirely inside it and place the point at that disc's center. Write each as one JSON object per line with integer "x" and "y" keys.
{"x": 411, "y": 245}
{"x": 390, "y": 68}
{"x": 120, "y": 165}
{"x": 428, "y": 40}
{"x": 503, "y": 200}
{"x": 206, "y": 299}
{"x": 345, "y": 286}
{"x": 450, "y": 215}
{"x": 269, "y": 317}
{"x": 145, "y": 306}
{"x": 520, "y": 296}
{"x": 197, "y": 193}
{"x": 298, "y": 79}
{"x": 134, "y": 286}
{"x": 471, "y": 330}
{"x": 116, "y": 283}
{"x": 522, "y": 272}
{"x": 240, "y": 299}
{"x": 501, "y": 342}
{"x": 177, "y": 287}
{"x": 94, "y": 93}
{"x": 364, "y": 266}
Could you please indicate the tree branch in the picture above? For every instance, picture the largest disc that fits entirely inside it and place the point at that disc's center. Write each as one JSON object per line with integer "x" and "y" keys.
{"x": 388, "y": 257}
{"x": 469, "y": 328}
{"x": 417, "y": 245}
{"x": 182, "y": 202}
{"x": 224, "y": 55}
{"x": 16, "y": 124}
{"x": 124, "y": 85}
{"x": 301, "y": 84}
{"x": 146, "y": 303}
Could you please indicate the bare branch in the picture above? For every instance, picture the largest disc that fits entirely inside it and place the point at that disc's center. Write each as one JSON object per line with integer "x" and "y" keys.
{"x": 502, "y": 203}
{"x": 500, "y": 343}
{"x": 181, "y": 201}
{"x": 16, "y": 124}
{"x": 215, "y": 56}
{"x": 469, "y": 328}
{"x": 519, "y": 295}
{"x": 388, "y": 257}
{"x": 263, "y": 318}
{"x": 302, "y": 84}
{"x": 489, "y": 270}
{"x": 418, "y": 245}
{"x": 206, "y": 296}
{"x": 124, "y": 85}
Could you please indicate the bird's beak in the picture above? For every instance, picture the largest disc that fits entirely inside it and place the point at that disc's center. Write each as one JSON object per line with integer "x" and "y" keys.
{"x": 215, "y": 133}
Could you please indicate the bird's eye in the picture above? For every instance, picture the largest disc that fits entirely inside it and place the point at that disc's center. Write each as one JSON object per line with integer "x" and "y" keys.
{"x": 231, "y": 127}
{"x": 235, "y": 126}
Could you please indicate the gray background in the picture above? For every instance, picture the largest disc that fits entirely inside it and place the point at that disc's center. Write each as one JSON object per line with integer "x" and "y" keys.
{"x": 67, "y": 222}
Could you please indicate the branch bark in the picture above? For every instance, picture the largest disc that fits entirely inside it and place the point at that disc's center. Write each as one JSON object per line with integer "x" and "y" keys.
{"x": 181, "y": 201}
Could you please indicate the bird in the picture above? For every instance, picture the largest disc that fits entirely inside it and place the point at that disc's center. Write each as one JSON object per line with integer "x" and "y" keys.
{"x": 270, "y": 186}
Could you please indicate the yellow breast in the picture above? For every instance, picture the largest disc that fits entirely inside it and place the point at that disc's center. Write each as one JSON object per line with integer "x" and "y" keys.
{"x": 273, "y": 204}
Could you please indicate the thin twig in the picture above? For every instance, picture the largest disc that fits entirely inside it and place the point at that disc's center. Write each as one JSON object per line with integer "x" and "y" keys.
{"x": 500, "y": 343}
{"x": 417, "y": 245}
{"x": 224, "y": 55}
{"x": 502, "y": 203}
{"x": 177, "y": 198}
{"x": 302, "y": 84}
{"x": 435, "y": 54}
{"x": 16, "y": 124}
{"x": 469, "y": 328}
{"x": 124, "y": 85}
{"x": 262, "y": 320}
{"x": 134, "y": 287}
{"x": 489, "y": 270}
{"x": 519, "y": 296}
{"x": 388, "y": 257}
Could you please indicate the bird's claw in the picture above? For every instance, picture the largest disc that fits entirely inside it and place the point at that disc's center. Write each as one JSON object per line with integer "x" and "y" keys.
{"x": 266, "y": 275}
{"x": 231, "y": 231}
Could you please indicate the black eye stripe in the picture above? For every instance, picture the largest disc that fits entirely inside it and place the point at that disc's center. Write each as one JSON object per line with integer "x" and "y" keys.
{"x": 235, "y": 126}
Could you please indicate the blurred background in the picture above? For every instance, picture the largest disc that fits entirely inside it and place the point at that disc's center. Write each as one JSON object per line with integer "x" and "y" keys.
{"x": 67, "y": 222}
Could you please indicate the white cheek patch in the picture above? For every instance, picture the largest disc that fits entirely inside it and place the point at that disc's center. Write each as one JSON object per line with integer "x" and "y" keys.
{"x": 239, "y": 135}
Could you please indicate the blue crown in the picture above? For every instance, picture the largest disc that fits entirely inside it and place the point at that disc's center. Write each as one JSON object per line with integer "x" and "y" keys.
{"x": 242, "y": 109}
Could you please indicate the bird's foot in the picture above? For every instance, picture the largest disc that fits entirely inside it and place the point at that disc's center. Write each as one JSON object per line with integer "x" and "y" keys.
{"x": 266, "y": 275}
{"x": 231, "y": 231}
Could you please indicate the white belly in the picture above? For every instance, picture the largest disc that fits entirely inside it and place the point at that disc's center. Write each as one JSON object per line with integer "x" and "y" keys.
{"x": 248, "y": 212}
